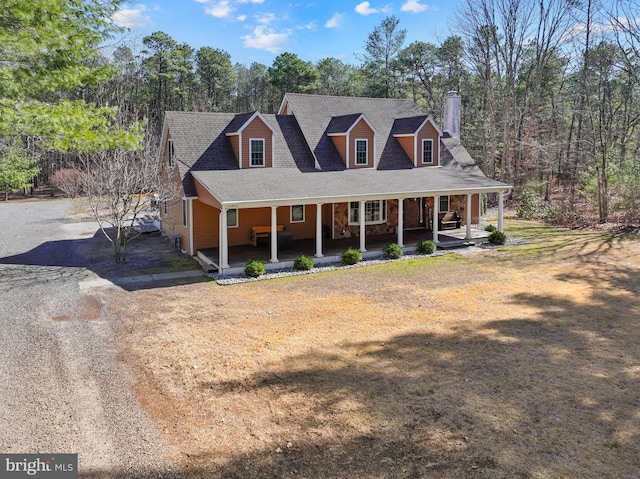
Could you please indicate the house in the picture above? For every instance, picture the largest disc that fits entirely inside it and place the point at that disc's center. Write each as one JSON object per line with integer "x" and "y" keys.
{"x": 324, "y": 168}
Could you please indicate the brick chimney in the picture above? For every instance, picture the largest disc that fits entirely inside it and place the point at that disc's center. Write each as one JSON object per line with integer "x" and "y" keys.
{"x": 451, "y": 118}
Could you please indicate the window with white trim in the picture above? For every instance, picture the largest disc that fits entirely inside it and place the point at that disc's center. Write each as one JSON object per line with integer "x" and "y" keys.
{"x": 362, "y": 152}
{"x": 256, "y": 147}
{"x": 232, "y": 218}
{"x": 444, "y": 204}
{"x": 172, "y": 153}
{"x": 297, "y": 213}
{"x": 184, "y": 213}
{"x": 375, "y": 212}
{"x": 427, "y": 151}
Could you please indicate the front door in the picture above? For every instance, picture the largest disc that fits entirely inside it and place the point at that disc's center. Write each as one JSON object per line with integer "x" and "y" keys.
{"x": 413, "y": 213}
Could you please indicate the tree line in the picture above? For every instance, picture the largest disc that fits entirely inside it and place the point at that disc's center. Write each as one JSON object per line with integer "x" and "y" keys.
{"x": 550, "y": 91}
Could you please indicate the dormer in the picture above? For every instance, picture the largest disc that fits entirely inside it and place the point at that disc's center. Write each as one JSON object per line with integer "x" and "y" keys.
{"x": 354, "y": 138}
{"x": 419, "y": 137}
{"x": 251, "y": 137}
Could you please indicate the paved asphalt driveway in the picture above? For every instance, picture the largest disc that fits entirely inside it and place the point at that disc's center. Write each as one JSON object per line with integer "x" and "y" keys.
{"x": 61, "y": 388}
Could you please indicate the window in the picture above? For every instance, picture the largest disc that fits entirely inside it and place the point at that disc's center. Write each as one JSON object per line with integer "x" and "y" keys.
{"x": 184, "y": 213}
{"x": 257, "y": 152}
{"x": 427, "y": 151}
{"x": 172, "y": 153}
{"x": 165, "y": 207}
{"x": 232, "y": 218}
{"x": 362, "y": 157}
{"x": 444, "y": 204}
{"x": 375, "y": 212}
{"x": 297, "y": 214}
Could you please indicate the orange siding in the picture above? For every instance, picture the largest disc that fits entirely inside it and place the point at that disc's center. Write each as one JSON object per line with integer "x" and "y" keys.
{"x": 341, "y": 145}
{"x": 407, "y": 143}
{"x": 359, "y": 132}
{"x": 257, "y": 130}
{"x": 205, "y": 196}
{"x": 172, "y": 222}
{"x": 428, "y": 132}
{"x": 206, "y": 225}
{"x": 235, "y": 144}
{"x": 306, "y": 229}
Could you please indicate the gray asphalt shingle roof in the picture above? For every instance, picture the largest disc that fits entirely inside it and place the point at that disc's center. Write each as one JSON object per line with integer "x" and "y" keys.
{"x": 203, "y": 151}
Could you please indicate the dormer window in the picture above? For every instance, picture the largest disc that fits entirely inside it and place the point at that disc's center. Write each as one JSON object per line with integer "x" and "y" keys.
{"x": 257, "y": 152}
{"x": 362, "y": 152}
{"x": 427, "y": 151}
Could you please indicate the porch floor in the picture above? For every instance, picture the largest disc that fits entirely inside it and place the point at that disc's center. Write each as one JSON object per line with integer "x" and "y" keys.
{"x": 332, "y": 248}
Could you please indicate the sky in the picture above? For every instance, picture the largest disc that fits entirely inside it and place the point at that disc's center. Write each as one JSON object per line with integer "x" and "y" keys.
{"x": 259, "y": 30}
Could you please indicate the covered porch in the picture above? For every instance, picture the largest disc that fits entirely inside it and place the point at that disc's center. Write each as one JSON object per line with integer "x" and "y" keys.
{"x": 333, "y": 248}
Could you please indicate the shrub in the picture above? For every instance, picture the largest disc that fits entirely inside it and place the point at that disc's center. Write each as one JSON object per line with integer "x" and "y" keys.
{"x": 303, "y": 262}
{"x": 70, "y": 181}
{"x": 392, "y": 251}
{"x": 351, "y": 256}
{"x": 529, "y": 206}
{"x": 426, "y": 247}
{"x": 490, "y": 228}
{"x": 497, "y": 237}
{"x": 254, "y": 268}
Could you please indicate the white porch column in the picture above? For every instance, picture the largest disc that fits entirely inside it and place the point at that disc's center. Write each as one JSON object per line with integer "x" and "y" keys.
{"x": 501, "y": 212}
{"x": 363, "y": 229}
{"x": 468, "y": 217}
{"x": 223, "y": 247}
{"x": 274, "y": 235}
{"x": 436, "y": 212}
{"x": 319, "y": 231}
{"x": 401, "y": 222}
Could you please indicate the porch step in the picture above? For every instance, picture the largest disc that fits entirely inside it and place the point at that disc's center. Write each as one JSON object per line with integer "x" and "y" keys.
{"x": 456, "y": 244}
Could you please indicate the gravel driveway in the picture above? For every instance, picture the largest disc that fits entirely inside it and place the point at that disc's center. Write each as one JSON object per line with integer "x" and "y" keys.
{"x": 61, "y": 388}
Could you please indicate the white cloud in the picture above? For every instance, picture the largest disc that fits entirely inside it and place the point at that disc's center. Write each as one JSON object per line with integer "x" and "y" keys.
{"x": 203, "y": 1}
{"x": 251, "y": 1}
{"x": 132, "y": 18}
{"x": 220, "y": 10}
{"x": 266, "y": 18}
{"x": 313, "y": 26}
{"x": 414, "y": 6}
{"x": 364, "y": 8}
{"x": 241, "y": 18}
{"x": 264, "y": 38}
{"x": 334, "y": 22}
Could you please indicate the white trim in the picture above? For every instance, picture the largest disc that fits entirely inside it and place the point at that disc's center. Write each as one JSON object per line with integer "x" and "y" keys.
{"x": 185, "y": 213}
{"x": 448, "y": 203}
{"x": 291, "y": 220}
{"x": 264, "y": 153}
{"x": 249, "y": 121}
{"x": 237, "y": 218}
{"x": 191, "y": 250}
{"x": 274, "y": 234}
{"x": 430, "y": 140}
{"x": 319, "y": 231}
{"x": 366, "y": 151}
{"x": 346, "y": 197}
{"x": 383, "y": 213}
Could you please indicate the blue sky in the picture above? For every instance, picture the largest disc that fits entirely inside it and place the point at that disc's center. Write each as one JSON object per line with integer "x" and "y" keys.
{"x": 259, "y": 30}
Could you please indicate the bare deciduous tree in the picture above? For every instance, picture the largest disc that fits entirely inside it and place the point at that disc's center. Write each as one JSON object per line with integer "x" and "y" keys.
{"x": 123, "y": 186}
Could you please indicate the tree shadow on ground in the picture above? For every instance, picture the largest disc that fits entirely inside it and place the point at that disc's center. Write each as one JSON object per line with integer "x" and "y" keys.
{"x": 555, "y": 393}
{"x": 76, "y": 259}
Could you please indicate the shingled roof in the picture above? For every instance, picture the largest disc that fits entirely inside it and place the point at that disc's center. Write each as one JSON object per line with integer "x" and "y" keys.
{"x": 307, "y": 167}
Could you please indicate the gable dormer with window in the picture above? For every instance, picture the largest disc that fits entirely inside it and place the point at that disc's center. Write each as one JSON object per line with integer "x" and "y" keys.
{"x": 354, "y": 138}
{"x": 420, "y": 139}
{"x": 251, "y": 138}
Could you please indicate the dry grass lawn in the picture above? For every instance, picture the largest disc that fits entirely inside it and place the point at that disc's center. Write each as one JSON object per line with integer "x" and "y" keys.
{"x": 522, "y": 362}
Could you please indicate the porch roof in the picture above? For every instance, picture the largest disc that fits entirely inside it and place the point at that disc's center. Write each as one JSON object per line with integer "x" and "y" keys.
{"x": 286, "y": 186}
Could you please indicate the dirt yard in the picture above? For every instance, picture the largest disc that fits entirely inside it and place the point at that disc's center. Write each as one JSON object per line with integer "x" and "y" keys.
{"x": 521, "y": 362}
